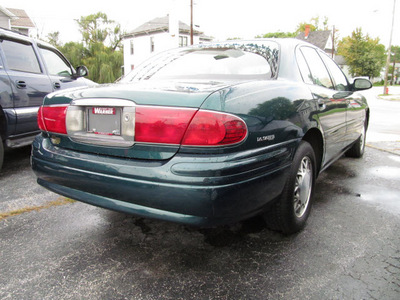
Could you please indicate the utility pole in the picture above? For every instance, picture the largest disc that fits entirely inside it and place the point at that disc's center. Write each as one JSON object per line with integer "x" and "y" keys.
{"x": 389, "y": 51}
{"x": 333, "y": 42}
{"x": 191, "y": 22}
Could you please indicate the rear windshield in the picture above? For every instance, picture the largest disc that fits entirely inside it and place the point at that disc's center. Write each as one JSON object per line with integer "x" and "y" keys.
{"x": 221, "y": 61}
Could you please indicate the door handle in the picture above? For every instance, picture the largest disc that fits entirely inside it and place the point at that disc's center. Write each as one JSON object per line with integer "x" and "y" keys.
{"x": 20, "y": 84}
{"x": 56, "y": 85}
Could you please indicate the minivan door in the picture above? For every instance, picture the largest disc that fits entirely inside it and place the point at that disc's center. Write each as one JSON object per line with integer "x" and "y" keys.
{"x": 59, "y": 69}
{"x": 29, "y": 83}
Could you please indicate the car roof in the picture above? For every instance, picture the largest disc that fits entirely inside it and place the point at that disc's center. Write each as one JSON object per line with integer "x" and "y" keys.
{"x": 20, "y": 36}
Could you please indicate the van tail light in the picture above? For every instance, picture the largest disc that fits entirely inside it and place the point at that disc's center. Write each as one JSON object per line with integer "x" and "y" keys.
{"x": 52, "y": 118}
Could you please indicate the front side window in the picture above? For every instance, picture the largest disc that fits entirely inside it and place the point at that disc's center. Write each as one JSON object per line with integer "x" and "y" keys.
{"x": 319, "y": 73}
{"x": 55, "y": 64}
{"x": 228, "y": 61}
{"x": 20, "y": 56}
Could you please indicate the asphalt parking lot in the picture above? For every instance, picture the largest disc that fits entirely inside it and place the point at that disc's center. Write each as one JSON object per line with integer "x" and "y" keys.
{"x": 350, "y": 249}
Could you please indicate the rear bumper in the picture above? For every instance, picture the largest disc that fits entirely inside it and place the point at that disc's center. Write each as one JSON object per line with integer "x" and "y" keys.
{"x": 195, "y": 190}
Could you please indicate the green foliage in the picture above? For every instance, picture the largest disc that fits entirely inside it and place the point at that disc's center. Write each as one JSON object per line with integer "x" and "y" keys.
{"x": 364, "y": 55}
{"x": 395, "y": 57}
{"x": 277, "y": 34}
{"x": 315, "y": 25}
{"x": 75, "y": 52}
{"x": 100, "y": 49}
{"x": 54, "y": 39}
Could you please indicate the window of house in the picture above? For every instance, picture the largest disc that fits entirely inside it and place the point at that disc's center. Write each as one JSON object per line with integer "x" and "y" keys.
{"x": 183, "y": 41}
{"x": 151, "y": 44}
{"x": 132, "y": 48}
{"x": 20, "y": 56}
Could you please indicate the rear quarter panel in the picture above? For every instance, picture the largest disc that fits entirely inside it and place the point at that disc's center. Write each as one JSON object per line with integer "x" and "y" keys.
{"x": 275, "y": 111}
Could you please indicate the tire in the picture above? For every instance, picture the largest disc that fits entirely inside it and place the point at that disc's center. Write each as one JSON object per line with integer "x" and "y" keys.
{"x": 357, "y": 150}
{"x": 1, "y": 153}
{"x": 290, "y": 212}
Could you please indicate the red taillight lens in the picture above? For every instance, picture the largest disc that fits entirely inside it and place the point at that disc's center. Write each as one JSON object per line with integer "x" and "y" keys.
{"x": 161, "y": 125}
{"x": 214, "y": 129}
{"x": 52, "y": 118}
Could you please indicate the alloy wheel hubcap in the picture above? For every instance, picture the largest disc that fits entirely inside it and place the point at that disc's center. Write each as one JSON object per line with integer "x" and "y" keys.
{"x": 302, "y": 187}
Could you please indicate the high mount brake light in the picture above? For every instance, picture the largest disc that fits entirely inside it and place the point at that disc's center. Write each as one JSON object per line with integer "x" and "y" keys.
{"x": 52, "y": 118}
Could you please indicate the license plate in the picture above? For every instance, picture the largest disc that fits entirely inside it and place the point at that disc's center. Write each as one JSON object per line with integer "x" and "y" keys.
{"x": 104, "y": 120}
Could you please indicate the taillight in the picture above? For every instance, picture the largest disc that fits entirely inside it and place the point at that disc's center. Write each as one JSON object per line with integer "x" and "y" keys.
{"x": 52, "y": 118}
{"x": 188, "y": 127}
{"x": 214, "y": 129}
{"x": 161, "y": 125}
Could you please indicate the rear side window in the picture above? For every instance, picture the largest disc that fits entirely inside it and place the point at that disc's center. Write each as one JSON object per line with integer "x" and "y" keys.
{"x": 341, "y": 83}
{"x": 303, "y": 67}
{"x": 55, "y": 63}
{"x": 319, "y": 73}
{"x": 20, "y": 57}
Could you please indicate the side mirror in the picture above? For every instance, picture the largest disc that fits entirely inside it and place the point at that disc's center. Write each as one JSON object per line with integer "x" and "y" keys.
{"x": 81, "y": 71}
{"x": 361, "y": 84}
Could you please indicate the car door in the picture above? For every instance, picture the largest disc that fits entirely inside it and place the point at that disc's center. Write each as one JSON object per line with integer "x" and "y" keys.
{"x": 332, "y": 109}
{"x": 29, "y": 83}
{"x": 59, "y": 69}
{"x": 355, "y": 113}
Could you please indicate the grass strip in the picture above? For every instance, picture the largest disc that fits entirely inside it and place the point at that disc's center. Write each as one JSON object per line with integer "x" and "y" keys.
{"x": 58, "y": 202}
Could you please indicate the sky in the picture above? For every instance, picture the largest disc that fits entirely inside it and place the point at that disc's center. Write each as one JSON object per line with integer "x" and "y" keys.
{"x": 221, "y": 19}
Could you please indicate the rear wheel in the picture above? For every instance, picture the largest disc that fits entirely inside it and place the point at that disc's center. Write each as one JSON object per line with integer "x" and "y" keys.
{"x": 290, "y": 212}
{"x": 357, "y": 150}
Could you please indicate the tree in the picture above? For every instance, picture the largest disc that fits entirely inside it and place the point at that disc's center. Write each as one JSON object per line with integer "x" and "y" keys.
{"x": 54, "y": 39}
{"x": 97, "y": 28}
{"x": 277, "y": 34}
{"x": 394, "y": 58}
{"x": 364, "y": 55}
{"x": 100, "y": 49}
{"x": 314, "y": 23}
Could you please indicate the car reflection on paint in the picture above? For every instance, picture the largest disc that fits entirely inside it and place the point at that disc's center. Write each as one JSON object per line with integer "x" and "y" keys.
{"x": 206, "y": 135}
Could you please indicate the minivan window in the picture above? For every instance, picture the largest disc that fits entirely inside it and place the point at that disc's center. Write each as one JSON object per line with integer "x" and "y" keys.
{"x": 20, "y": 56}
{"x": 55, "y": 64}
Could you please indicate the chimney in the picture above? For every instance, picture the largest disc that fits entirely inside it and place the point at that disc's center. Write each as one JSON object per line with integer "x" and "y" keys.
{"x": 173, "y": 24}
{"x": 307, "y": 31}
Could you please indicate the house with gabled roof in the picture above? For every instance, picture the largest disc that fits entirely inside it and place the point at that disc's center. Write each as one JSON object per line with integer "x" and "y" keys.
{"x": 322, "y": 39}
{"x": 155, "y": 36}
{"x": 15, "y": 19}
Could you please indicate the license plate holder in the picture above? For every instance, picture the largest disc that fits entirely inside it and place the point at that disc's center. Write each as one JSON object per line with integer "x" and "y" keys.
{"x": 104, "y": 120}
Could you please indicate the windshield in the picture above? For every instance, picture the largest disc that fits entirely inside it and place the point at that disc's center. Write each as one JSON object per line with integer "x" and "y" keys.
{"x": 216, "y": 61}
